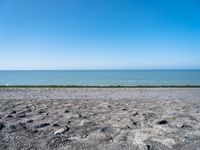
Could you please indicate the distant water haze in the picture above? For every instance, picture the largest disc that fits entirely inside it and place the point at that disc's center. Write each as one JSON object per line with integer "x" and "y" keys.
{"x": 101, "y": 77}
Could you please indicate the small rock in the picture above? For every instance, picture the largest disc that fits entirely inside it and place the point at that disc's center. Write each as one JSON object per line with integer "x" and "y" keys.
{"x": 57, "y": 140}
{"x": 134, "y": 113}
{"x": 33, "y": 131}
{"x": 103, "y": 129}
{"x": 41, "y": 111}
{"x": 162, "y": 122}
{"x": 67, "y": 128}
{"x": 13, "y": 112}
{"x": 68, "y": 121}
{"x": 59, "y": 131}
{"x": 55, "y": 125}
{"x": 97, "y": 136}
{"x": 30, "y": 121}
{"x": 46, "y": 114}
{"x": 1, "y": 126}
{"x": 124, "y": 123}
{"x": 148, "y": 147}
{"x": 42, "y": 125}
{"x": 186, "y": 126}
{"x": 66, "y": 111}
{"x": 9, "y": 116}
{"x": 18, "y": 126}
{"x": 12, "y": 127}
{"x": 23, "y": 115}
{"x": 28, "y": 107}
{"x": 23, "y": 125}
{"x": 85, "y": 122}
{"x": 134, "y": 123}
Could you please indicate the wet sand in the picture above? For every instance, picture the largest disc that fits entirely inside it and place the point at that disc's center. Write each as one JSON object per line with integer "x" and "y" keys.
{"x": 99, "y": 118}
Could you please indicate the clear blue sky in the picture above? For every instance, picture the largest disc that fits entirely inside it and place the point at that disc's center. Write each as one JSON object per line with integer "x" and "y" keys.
{"x": 99, "y": 34}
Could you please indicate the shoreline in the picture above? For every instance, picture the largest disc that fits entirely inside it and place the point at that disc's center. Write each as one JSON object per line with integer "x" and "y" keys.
{"x": 99, "y": 86}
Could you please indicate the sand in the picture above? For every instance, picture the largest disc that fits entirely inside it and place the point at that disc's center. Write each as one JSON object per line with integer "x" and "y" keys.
{"x": 99, "y": 118}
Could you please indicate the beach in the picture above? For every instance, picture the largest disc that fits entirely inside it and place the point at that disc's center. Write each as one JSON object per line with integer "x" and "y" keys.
{"x": 99, "y": 118}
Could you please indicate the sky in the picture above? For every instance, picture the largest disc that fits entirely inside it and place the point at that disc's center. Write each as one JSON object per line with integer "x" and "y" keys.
{"x": 99, "y": 34}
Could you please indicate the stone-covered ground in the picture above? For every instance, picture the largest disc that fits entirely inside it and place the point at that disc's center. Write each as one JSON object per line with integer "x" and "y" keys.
{"x": 99, "y": 119}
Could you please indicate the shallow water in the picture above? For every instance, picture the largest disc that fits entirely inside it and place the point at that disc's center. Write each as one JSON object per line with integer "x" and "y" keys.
{"x": 101, "y": 77}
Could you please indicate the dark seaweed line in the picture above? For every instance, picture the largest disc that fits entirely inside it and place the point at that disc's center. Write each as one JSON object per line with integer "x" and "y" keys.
{"x": 109, "y": 86}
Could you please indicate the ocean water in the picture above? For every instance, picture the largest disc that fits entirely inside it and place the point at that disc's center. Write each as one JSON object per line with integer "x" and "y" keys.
{"x": 101, "y": 77}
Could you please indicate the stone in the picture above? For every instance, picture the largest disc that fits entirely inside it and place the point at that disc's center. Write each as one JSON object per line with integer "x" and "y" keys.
{"x": 29, "y": 121}
{"x": 186, "y": 126}
{"x": 23, "y": 125}
{"x": 85, "y": 122}
{"x": 148, "y": 147}
{"x": 9, "y": 116}
{"x": 97, "y": 136}
{"x": 55, "y": 125}
{"x": 41, "y": 111}
{"x": 57, "y": 140}
{"x": 13, "y": 112}
{"x": 66, "y": 111}
{"x": 42, "y": 125}
{"x": 23, "y": 115}
{"x": 1, "y": 126}
{"x": 12, "y": 127}
{"x": 67, "y": 128}
{"x": 124, "y": 123}
{"x": 59, "y": 131}
{"x": 169, "y": 142}
{"x": 162, "y": 122}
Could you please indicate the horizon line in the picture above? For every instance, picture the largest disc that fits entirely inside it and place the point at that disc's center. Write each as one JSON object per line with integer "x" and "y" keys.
{"x": 98, "y": 69}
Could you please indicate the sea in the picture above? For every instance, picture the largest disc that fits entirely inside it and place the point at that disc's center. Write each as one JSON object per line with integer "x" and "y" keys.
{"x": 101, "y": 77}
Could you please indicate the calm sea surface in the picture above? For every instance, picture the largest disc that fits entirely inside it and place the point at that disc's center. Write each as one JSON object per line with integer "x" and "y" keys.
{"x": 101, "y": 77}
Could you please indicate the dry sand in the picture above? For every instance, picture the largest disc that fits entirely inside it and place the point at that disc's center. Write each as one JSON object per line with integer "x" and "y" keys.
{"x": 99, "y": 118}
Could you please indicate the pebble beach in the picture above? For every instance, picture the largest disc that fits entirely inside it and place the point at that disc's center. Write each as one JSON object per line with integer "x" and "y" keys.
{"x": 99, "y": 118}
